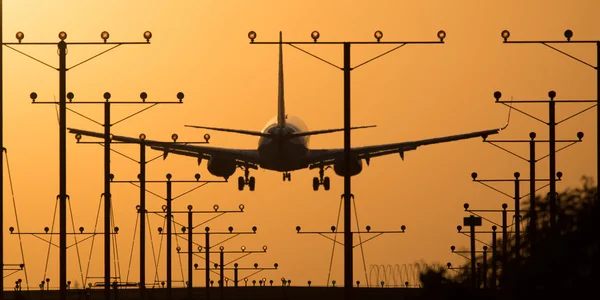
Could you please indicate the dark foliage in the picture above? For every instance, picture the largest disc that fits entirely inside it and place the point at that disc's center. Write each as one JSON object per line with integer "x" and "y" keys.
{"x": 563, "y": 258}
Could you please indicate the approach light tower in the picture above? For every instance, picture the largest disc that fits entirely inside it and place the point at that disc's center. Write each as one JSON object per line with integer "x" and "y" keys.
{"x": 347, "y": 68}
{"x": 62, "y": 69}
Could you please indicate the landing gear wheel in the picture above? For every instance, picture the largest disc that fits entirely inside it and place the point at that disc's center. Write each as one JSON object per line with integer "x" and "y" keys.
{"x": 251, "y": 183}
{"x": 289, "y": 176}
{"x": 241, "y": 183}
{"x": 326, "y": 183}
{"x": 316, "y": 183}
{"x": 284, "y": 176}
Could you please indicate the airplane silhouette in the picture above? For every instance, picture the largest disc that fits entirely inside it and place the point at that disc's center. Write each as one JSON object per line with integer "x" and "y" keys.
{"x": 283, "y": 147}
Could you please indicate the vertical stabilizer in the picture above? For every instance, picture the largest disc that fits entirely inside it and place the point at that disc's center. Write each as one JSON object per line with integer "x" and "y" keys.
{"x": 280, "y": 100}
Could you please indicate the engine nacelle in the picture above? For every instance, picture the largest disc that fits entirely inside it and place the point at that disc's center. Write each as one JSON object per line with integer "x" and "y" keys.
{"x": 355, "y": 167}
{"x": 221, "y": 167}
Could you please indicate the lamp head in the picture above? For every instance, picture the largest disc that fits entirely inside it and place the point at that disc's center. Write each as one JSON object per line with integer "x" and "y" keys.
{"x": 452, "y": 248}
{"x": 241, "y": 207}
{"x": 298, "y": 228}
{"x": 206, "y": 137}
{"x": 368, "y": 228}
{"x": 378, "y": 35}
{"x": 104, "y": 35}
{"x": 332, "y": 228}
{"x": 532, "y": 135}
{"x": 474, "y": 175}
{"x": 505, "y": 34}
{"x": 459, "y": 228}
{"x": 466, "y": 206}
{"x": 551, "y": 94}
{"x": 62, "y": 35}
{"x": 142, "y": 136}
{"x": 497, "y": 95}
{"x": 189, "y": 207}
{"x": 197, "y": 176}
{"x": 403, "y": 228}
{"x": 20, "y": 35}
{"x": 33, "y": 96}
{"x": 143, "y": 96}
{"x": 148, "y": 36}
{"x": 441, "y": 35}
{"x": 517, "y": 175}
{"x": 315, "y": 35}
{"x": 174, "y": 137}
{"x": 504, "y": 206}
{"x": 580, "y": 135}
{"x": 180, "y": 96}
{"x": 216, "y": 207}
{"x": 568, "y": 34}
{"x": 252, "y": 36}
{"x": 559, "y": 175}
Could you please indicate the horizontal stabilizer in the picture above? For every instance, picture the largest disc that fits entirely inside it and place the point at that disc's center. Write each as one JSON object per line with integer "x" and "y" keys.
{"x": 240, "y": 131}
{"x": 315, "y": 132}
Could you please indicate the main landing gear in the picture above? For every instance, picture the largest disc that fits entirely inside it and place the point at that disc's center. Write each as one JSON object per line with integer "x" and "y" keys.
{"x": 287, "y": 176}
{"x": 321, "y": 180}
{"x": 244, "y": 180}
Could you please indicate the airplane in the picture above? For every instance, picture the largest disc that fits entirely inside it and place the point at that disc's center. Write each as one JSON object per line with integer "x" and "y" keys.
{"x": 283, "y": 147}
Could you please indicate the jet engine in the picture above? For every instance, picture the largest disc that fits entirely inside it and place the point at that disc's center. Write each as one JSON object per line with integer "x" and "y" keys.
{"x": 355, "y": 167}
{"x": 221, "y": 167}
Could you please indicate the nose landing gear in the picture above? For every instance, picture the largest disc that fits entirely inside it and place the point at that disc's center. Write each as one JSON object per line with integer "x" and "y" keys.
{"x": 321, "y": 180}
{"x": 245, "y": 180}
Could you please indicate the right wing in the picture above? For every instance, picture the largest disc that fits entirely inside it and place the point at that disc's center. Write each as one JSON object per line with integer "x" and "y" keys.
{"x": 246, "y": 157}
{"x": 324, "y": 157}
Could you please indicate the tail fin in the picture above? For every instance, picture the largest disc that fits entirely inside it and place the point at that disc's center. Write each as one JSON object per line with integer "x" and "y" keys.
{"x": 280, "y": 101}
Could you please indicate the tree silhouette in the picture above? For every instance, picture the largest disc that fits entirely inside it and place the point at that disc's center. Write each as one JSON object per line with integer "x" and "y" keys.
{"x": 560, "y": 258}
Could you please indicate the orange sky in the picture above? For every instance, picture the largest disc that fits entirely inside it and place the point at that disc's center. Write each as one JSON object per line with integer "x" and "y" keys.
{"x": 201, "y": 48}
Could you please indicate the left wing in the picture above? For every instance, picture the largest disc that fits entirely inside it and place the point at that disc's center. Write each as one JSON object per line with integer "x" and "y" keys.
{"x": 324, "y": 157}
{"x": 247, "y": 157}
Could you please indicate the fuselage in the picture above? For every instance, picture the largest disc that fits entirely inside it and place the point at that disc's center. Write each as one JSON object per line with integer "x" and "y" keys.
{"x": 284, "y": 154}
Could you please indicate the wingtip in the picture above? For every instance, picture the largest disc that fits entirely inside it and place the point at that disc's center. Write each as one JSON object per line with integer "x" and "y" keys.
{"x": 508, "y": 119}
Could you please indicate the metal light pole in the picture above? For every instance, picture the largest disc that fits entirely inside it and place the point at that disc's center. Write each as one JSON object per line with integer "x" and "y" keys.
{"x": 62, "y": 103}
{"x": 2, "y": 153}
{"x": 493, "y": 232}
{"x": 347, "y": 68}
{"x": 207, "y": 247}
{"x": 532, "y": 160}
{"x": 334, "y": 231}
{"x": 548, "y": 43}
{"x": 517, "y": 199}
{"x": 108, "y": 177}
{"x": 142, "y": 162}
{"x": 472, "y": 221}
